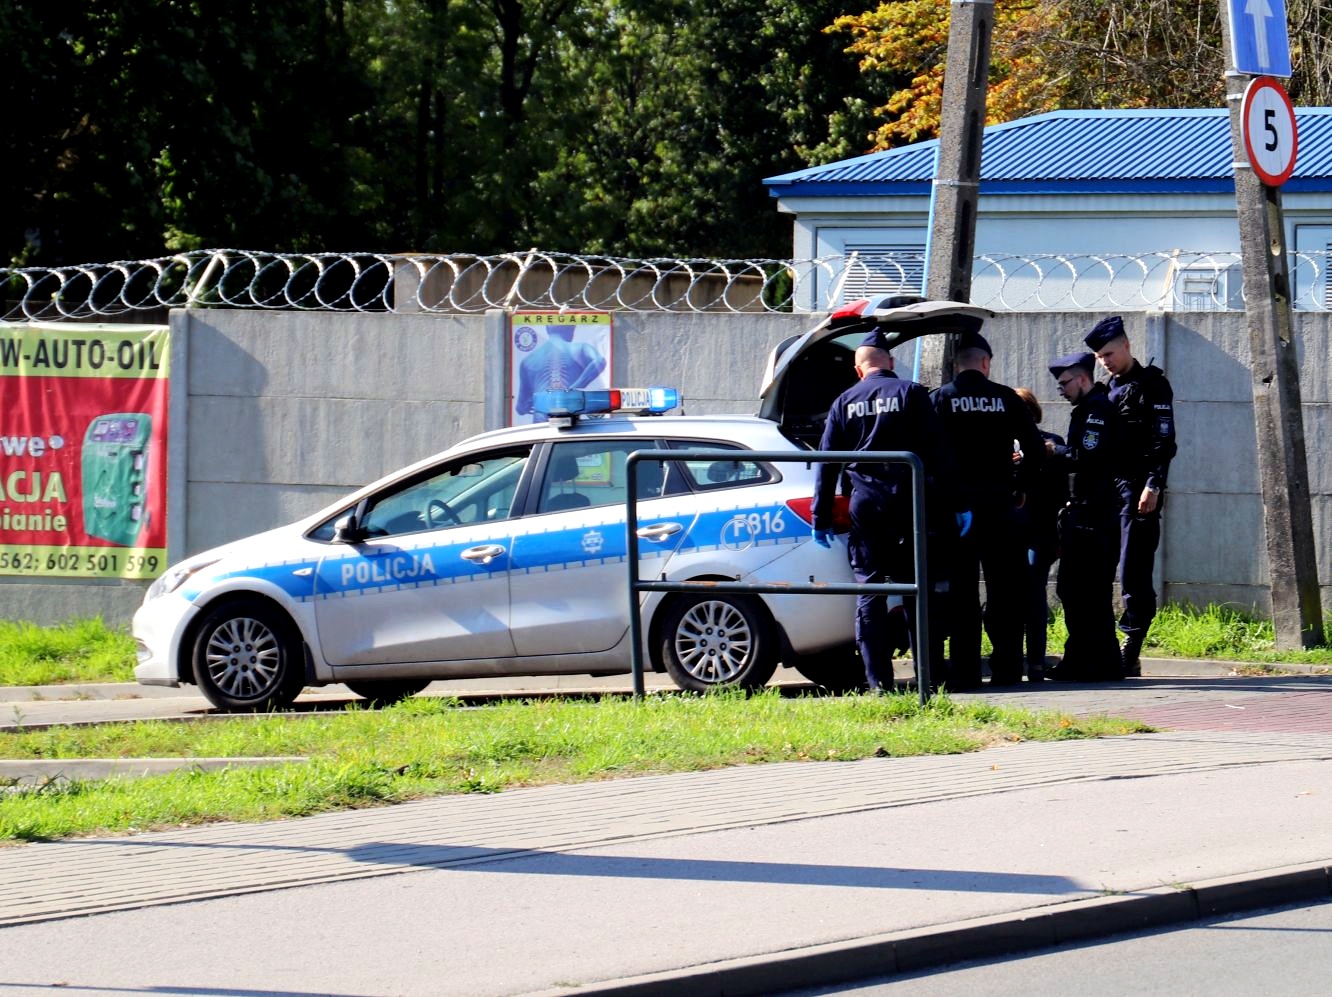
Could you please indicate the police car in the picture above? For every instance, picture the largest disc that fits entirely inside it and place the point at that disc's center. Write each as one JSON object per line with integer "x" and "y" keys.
{"x": 505, "y": 555}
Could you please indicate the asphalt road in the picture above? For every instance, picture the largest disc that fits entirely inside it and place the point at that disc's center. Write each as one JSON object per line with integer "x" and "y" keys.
{"x": 1283, "y": 952}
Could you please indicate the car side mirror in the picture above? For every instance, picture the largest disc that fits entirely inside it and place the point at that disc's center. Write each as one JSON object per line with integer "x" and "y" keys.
{"x": 348, "y": 530}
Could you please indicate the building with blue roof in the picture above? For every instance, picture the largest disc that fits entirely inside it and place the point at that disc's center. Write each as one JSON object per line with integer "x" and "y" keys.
{"x": 1070, "y": 185}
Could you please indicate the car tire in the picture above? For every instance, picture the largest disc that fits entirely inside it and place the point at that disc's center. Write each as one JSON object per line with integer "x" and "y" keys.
{"x": 386, "y": 692}
{"x": 838, "y": 670}
{"x": 248, "y": 657}
{"x": 708, "y": 642}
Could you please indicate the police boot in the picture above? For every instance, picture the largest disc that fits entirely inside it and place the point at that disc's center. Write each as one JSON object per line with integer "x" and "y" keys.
{"x": 1132, "y": 650}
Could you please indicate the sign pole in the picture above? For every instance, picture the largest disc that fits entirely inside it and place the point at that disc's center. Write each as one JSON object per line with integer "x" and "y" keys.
{"x": 952, "y": 235}
{"x": 1283, "y": 471}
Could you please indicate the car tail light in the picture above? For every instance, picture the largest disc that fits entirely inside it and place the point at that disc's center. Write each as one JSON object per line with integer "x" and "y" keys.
{"x": 804, "y": 508}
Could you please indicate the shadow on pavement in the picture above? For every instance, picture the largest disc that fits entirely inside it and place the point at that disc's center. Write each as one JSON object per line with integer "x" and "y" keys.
{"x": 539, "y": 862}
{"x": 544, "y": 863}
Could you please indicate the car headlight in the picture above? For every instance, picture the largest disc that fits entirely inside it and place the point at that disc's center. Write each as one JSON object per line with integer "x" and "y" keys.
{"x": 175, "y": 576}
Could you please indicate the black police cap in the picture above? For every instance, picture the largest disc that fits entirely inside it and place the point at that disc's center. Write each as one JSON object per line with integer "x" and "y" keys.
{"x": 1104, "y": 331}
{"x": 878, "y": 340}
{"x": 971, "y": 340}
{"x": 1086, "y": 361}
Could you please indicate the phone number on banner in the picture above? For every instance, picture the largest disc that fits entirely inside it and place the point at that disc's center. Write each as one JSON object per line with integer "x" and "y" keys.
{"x": 82, "y": 562}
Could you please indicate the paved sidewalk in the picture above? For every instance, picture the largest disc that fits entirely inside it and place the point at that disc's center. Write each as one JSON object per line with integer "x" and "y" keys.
{"x": 743, "y": 880}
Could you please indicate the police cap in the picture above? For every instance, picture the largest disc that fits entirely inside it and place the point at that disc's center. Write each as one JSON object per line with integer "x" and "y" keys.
{"x": 972, "y": 340}
{"x": 878, "y": 340}
{"x": 1104, "y": 331}
{"x": 1085, "y": 361}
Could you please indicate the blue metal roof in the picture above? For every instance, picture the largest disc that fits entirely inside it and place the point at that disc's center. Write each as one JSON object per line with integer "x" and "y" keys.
{"x": 1158, "y": 151}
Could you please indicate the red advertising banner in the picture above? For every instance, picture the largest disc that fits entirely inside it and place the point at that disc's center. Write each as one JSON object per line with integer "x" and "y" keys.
{"x": 83, "y": 441}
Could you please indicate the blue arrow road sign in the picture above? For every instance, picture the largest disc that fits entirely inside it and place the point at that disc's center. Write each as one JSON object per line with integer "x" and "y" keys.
{"x": 1259, "y": 41}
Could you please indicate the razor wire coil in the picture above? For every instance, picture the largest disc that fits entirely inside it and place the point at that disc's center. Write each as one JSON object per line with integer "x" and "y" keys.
{"x": 1171, "y": 280}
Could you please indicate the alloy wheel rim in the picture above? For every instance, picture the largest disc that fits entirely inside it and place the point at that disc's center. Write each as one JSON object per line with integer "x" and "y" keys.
{"x": 714, "y": 642}
{"x": 243, "y": 658}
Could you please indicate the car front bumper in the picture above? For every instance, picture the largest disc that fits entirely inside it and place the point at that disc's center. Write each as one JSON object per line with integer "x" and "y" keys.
{"x": 158, "y": 627}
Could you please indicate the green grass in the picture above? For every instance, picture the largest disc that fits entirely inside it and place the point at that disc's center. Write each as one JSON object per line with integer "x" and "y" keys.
{"x": 78, "y": 651}
{"x": 428, "y": 746}
{"x": 1218, "y": 632}
{"x": 1228, "y": 634}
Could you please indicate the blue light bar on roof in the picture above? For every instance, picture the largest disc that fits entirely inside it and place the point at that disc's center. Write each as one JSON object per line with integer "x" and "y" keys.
{"x": 573, "y": 402}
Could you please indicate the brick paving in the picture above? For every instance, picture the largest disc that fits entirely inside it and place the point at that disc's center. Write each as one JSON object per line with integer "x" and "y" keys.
{"x": 1290, "y": 712}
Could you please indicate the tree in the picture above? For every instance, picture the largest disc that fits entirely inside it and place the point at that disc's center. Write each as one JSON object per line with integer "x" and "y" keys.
{"x": 688, "y": 105}
{"x": 623, "y": 127}
{"x": 1048, "y": 55}
{"x": 157, "y": 126}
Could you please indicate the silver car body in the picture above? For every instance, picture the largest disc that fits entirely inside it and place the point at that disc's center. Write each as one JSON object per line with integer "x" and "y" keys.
{"x": 539, "y": 592}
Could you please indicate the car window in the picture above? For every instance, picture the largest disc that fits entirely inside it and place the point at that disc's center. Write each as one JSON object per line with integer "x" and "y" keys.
{"x": 463, "y": 491}
{"x": 585, "y": 473}
{"x": 706, "y": 475}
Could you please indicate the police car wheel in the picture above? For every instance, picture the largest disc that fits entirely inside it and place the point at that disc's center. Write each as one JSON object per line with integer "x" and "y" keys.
{"x": 387, "y": 692}
{"x": 713, "y": 641}
{"x": 838, "y": 670}
{"x": 248, "y": 658}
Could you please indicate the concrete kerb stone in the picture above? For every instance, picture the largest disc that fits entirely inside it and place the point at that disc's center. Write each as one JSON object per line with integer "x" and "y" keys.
{"x": 570, "y": 686}
{"x": 42, "y": 771}
{"x": 979, "y": 938}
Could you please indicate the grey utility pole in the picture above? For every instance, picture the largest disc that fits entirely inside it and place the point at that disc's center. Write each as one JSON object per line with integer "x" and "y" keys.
{"x": 957, "y": 175}
{"x": 1283, "y": 471}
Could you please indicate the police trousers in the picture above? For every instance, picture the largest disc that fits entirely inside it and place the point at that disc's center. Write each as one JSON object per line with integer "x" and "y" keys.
{"x": 1086, "y": 587}
{"x": 880, "y": 550}
{"x": 1139, "y": 536}
{"x": 994, "y": 545}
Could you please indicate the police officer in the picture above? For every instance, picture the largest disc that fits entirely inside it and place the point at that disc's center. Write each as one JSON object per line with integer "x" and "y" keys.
{"x": 1146, "y": 406}
{"x": 1088, "y": 527}
{"x": 883, "y": 412}
{"x": 1039, "y": 518}
{"x": 985, "y": 421}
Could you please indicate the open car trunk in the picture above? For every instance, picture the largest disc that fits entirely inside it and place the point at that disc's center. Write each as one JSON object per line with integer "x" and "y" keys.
{"x": 806, "y": 373}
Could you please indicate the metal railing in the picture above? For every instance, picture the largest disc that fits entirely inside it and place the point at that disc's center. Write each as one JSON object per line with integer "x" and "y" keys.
{"x": 920, "y": 652}
{"x": 1171, "y": 280}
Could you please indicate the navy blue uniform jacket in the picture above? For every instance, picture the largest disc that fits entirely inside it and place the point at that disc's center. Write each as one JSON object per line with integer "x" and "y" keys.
{"x": 983, "y": 418}
{"x": 1146, "y": 407}
{"x": 885, "y": 412}
{"x": 1092, "y": 454}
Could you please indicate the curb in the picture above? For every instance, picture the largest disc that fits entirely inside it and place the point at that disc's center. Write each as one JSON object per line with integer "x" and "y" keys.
{"x": 462, "y": 688}
{"x": 38, "y": 772}
{"x": 862, "y": 959}
{"x": 1151, "y": 667}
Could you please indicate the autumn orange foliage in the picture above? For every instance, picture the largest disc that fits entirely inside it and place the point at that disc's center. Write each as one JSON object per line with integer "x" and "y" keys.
{"x": 1045, "y": 55}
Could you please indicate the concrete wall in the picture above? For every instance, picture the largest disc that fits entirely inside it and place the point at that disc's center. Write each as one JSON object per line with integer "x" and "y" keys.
{"x": 283, "y": 412}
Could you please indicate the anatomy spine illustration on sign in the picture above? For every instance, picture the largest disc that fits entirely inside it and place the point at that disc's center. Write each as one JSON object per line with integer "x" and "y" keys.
{"x": 554, "y": 350}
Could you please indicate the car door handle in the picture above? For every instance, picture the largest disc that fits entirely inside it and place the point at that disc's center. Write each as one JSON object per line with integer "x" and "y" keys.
{"x": 485, "y": 553}
{"x": 659, "y": 532}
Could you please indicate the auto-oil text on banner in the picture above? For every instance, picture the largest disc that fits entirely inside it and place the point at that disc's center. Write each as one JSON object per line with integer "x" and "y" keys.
{"x": 83, "y": 450}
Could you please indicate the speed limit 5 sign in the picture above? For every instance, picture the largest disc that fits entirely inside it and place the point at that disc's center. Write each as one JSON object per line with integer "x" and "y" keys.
{"x": 1268, "y": 123}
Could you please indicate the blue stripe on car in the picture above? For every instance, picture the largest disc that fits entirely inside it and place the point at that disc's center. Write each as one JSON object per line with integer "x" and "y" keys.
{"x": 403, "y": 567}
